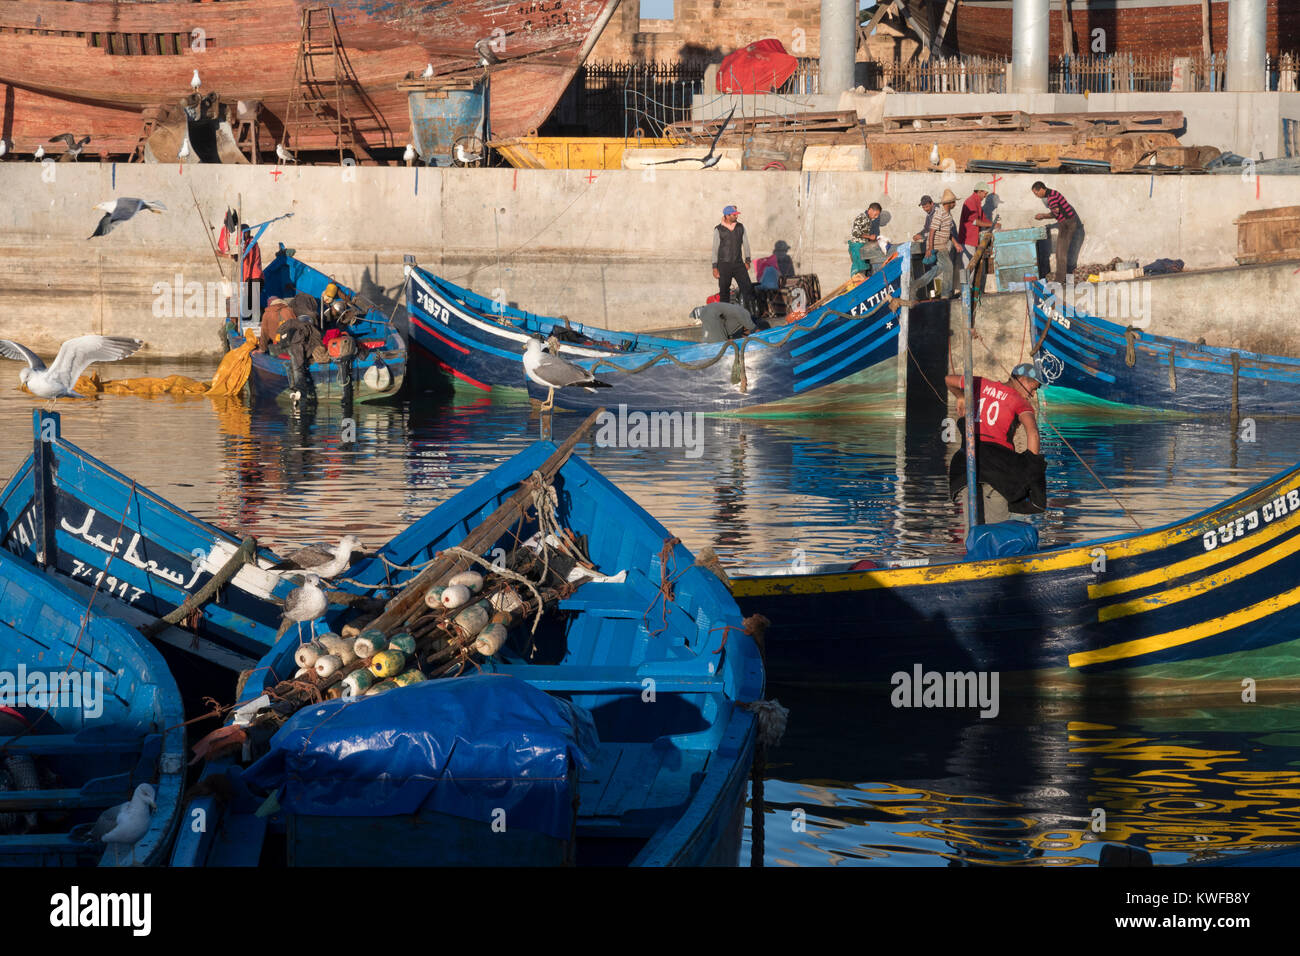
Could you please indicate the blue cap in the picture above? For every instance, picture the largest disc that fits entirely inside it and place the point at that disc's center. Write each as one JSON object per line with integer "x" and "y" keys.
{"x": 728, "y": 210}
{"x": 1026, "y": 370}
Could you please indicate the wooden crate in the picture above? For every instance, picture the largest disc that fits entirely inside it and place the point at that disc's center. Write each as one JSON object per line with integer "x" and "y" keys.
{"x": 1268, "y": 235}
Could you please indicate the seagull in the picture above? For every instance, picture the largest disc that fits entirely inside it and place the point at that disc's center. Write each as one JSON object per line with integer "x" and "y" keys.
{"x": 40, "y": 153}
{"x": 185, "y": 149}
{"x": 4, "y": 147}
{"x": 934, "y": 155}
{"x": 486, "y": 56}
{"x": 283, "y": 154}
{"x": 554, "y": 372}
{"x": 464, "y": 158}
{"x": 710, "y": 158}
{"x": 75, "y": 356}
{"x": 75, "y": 145}
{"x": 195, "y": 82}
{"x": 324, "y": 564}
{"x": 126, "y": 823}
{"x": 428, "y": 72}
{"x": 306, "y": 603}
{"x": 409, "y": 154}
{"x": 120, "y": 210}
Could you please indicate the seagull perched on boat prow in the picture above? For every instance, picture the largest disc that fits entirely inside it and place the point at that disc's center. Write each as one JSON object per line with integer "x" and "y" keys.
{"x": 710, "y": 158}
{"x": 555, "y": 372}
{"x": 306, "y": 603}
{"x": 75, "y": 356}
{"x": 283, "y": 155}
{"x": 125, "y": 824}
{"x": 324, "y": 564}
{"x": 408, "y": 154}
{"x": 39, "y": 154}
{"x": 117, "y": 211}
{"x": 75, "y": 146}
{"x": 428, "y": 71}
{"x": 195, "y": 82}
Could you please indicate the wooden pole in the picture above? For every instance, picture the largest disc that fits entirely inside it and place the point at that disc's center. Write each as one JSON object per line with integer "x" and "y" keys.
{"x": 972, "y": 486}
{"x": 1067, "y": 31}
{"x": 1206, "y": 46}
{"x": 411, "y": 597}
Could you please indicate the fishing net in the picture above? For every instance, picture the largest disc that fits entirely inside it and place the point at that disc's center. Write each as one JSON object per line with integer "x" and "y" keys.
{"x": 230, "y": 379}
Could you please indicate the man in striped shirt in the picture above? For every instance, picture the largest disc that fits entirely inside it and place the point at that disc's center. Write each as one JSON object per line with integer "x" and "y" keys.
{"x": 1067, "y": 223}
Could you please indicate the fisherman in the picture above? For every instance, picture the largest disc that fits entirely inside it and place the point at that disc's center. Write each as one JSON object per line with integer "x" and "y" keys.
{"x": 1067, "y": 223}
{"x": 971, "y": 222}
{"x": 942, "y": 245}
{"x": 252, "y": 275}
{"x": 722, "y": 321}
{"x": 731, "y": 258}
{"x": 926, "y": 204}
{"x": 865, "y": 253}
{"x": 1010, "y": 481}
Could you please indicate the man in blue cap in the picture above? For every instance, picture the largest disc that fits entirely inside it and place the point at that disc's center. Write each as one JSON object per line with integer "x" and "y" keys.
{"x": 1011, "y": 481}
{"x": 731, "y": 258}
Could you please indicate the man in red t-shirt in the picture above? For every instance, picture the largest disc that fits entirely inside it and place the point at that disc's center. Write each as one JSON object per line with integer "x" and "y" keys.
{"x": 1002, "y": 408}
{"x": 971, "y": 222}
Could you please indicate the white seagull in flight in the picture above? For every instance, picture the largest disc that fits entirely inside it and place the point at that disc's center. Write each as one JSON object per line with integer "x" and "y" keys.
{"x": 120, "y": 210}
{"x": 75, "y": 356}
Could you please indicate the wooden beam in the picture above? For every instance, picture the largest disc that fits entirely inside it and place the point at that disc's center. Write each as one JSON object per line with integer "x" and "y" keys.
{"x": 1067, "y": 30}
{"x": 1205, "y": 28}
{"x": 943, "y": 23}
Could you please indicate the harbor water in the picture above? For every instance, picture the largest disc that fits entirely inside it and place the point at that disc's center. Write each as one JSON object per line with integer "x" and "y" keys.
{"x": 851, "y": 784}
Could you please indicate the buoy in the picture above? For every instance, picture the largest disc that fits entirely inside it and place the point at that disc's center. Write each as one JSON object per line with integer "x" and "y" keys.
{"x": 387, "y": 663}
{"x": 357, "y": 683}
{"x": 305, "y": 655}
{"x": 381, "y": 687}
{"x": 470, "y": 579}
{"x": 328, "y": 664}
{"x": 471, "y": 620}
{"x": 340, "y": 647}
{"x": 407, "y": 678}
{"x": 433, "y": 596}
{"x": 370, "y": 643}
{"x": 507, "y": 599}
{"x": 377, "y": 378}
{"x": 490, "y": 640}
{"x": 303, "y": 672}
{"x": 403, "y": 642}
{"x": 455, "y": 596}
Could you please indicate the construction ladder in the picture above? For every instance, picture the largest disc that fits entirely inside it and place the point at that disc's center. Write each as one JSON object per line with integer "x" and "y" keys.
{"x": 318, "y": 89}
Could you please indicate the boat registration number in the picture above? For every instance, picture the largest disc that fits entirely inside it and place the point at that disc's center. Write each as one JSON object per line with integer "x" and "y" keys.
{"x": 1058, "y": 318}
{"x": 1240, "y": 527}
{"x": 430, "y": 305}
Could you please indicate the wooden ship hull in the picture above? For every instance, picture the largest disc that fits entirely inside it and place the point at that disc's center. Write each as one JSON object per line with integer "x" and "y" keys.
{"x": 93, "y": 67}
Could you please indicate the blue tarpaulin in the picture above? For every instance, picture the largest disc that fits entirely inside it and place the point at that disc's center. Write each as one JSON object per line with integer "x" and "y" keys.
{"x": 1001, "y": 540}
{"x": 464, "y": 747}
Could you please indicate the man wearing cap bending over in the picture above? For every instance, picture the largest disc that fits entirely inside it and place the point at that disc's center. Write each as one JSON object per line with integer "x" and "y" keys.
{"x": 731, "y": 258}
{"x": 1011, "y": 481}
{"x": 971, "y": 222}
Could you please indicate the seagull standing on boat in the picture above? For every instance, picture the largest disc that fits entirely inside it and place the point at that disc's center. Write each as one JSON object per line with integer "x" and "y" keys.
{"x": 428, "y": 72}
{"x": 409, "y": 154}
{"x": 125, "y": 824}
{"x": 486, "y": 55}
{"x": 39, "y": 155}
{"x": 710, "y": 158}
{"x": 283, "y": 155}
{"x": 554, "y": 372}
{"x": 4, "y": 148}
{"x": 324, "y": 564}
{"x": 185, "y": 149}
{"x": 119, "y": 210}
{"x": 195, "y": 82}
{"x": 75, "y": 146}
{"x": 75, "y": 356}
{"x": 306, "y": 603}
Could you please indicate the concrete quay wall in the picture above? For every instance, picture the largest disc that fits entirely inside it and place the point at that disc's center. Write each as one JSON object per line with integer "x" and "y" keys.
{"x": 617, "y": 248}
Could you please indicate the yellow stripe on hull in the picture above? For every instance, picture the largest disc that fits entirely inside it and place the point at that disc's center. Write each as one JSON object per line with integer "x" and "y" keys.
{"x": 1186, "y": 635}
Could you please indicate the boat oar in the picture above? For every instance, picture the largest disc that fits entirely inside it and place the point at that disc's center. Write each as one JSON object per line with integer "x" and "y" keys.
{"x": 411, "y": 597}
{"x": 972, "y": 515}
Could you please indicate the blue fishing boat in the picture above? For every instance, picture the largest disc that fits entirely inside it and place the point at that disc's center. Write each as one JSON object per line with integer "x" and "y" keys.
{"x": 89, "y": 712}
{"x": 69, "y": 513}
{"x": 629, "y": 697}
{"x": 1193, "y": 607}
{"x": 1129, "y": 366}
{"x": 375, "y": 371}
{"x": 480, "y": 343}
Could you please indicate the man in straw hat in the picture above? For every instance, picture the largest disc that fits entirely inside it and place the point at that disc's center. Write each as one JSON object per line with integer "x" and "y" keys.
{"x": 943, "y": 243}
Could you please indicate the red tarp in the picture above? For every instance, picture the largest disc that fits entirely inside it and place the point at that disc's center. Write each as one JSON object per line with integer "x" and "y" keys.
{"x": 761, "y": 67}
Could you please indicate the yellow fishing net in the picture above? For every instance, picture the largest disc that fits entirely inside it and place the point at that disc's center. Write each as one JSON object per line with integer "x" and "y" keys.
{"x": 231, "y": 376}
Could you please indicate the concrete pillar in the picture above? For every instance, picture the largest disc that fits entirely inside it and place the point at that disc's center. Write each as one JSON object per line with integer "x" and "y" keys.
{"x": 1029, "y": 45}
{"x": 1247, "y": 29}
{"x": 839, "y": 40}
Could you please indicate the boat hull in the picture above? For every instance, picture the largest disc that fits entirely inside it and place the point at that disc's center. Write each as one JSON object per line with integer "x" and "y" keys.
{"x": 849, "y": 333}
{"x": 97, "y": 64}
{"x": 1106, "y": 361}
{"x": 1196, "y": 607}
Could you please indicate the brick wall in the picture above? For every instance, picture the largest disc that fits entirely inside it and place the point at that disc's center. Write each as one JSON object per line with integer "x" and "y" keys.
{"x": 708, "y": 29}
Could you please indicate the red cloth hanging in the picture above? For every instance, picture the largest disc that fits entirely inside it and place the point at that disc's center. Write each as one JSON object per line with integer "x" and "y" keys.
{"x": 761, "y": 67}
